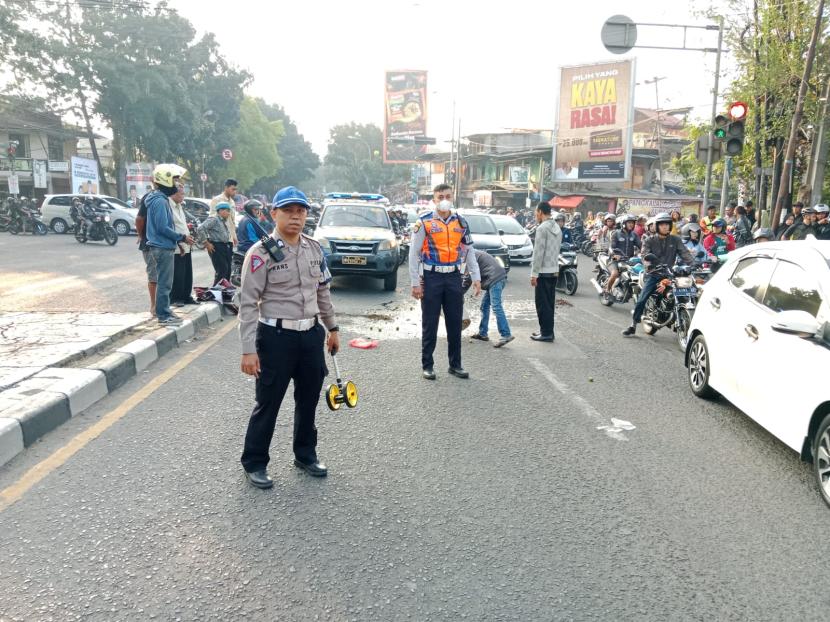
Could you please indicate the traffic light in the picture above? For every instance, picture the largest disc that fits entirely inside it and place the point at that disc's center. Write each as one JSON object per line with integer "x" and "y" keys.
{"x": 721, "y": 124}
{"x": 735, "y": 129}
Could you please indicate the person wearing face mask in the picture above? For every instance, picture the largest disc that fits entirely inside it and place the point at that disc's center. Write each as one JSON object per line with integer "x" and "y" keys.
{"x": 441, "y": 242}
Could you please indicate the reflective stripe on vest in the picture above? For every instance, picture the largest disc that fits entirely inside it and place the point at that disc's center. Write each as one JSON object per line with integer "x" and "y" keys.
{"x": 442, "y": 242}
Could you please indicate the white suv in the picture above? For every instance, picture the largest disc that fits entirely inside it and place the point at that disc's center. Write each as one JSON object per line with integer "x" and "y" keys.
{"x": 55, "y": 212}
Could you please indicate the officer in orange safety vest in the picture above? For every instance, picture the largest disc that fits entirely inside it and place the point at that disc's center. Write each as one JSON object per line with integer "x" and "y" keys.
{"x": 441, "y": 242}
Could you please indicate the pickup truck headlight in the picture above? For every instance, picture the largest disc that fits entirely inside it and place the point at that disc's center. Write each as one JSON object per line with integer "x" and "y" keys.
{"x": 388, "y": 245}
{"x": 325, "y": 244}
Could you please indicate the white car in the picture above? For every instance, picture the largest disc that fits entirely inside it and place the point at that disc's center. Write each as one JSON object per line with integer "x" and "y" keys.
{"x": 761, "y": 327}
{"x": 519, "y": 244}
{"x": 55, "y": 212}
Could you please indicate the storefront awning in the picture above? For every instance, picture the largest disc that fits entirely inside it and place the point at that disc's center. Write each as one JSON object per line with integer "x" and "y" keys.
{"x": 566, "y": 202}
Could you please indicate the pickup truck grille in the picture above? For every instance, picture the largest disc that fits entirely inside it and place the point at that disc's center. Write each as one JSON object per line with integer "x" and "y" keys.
{"x": 353, "y": 247}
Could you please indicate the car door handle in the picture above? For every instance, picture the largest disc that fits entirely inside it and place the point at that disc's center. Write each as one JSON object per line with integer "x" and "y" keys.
{"x": 715, "y": 302}
{"x": 751, "y": 331}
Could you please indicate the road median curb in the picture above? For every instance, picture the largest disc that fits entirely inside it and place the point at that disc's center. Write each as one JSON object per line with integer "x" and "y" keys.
{"x": 36, "y": 406}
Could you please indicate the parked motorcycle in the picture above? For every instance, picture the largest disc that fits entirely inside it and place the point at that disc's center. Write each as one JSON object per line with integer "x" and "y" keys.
{"x": 236, "y": 268}
{"x": 96, "y": 227}
{"x": 568, "y": 280}
{"x": 193, "y": 221}
{"x": 672, "y": 304}
{"x": 25, "y": 216}
{"x": 6, "y": 213}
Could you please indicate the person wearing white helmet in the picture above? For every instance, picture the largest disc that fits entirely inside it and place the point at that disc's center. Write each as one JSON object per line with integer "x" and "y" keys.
{"x": 822, "y": 223}
{"x": 162, "y": 237}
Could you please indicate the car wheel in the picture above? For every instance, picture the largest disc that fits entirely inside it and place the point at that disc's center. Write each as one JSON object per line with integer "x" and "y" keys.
{"x": 390, "y": 282}
{"x": 121, "y": 227}
{"x": 821, "y": 458}
{"x": 699, "y": 368}
{"x": 59, "y": 225}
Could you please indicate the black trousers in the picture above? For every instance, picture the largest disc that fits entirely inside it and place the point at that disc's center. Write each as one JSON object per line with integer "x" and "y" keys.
{"x": 221, "y": 259}
{"x": 441, "y": 291}
{"x": 545, "y": 302}
{"x": 285, "y": 355}
{"x": 182, "y": 278}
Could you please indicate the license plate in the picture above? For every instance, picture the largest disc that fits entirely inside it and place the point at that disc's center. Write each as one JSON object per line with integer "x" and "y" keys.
{"x": 354, "y": 261}
{"x": 685, "y": 291}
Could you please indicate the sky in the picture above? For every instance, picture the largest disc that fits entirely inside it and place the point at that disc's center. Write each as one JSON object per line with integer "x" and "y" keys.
{"x": 324, "y": 60}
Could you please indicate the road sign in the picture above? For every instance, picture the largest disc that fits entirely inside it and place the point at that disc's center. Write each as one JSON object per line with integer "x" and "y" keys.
{"x": 702, "y": 146}
{"x": 203, "y": 176}
{"x": 619, "y": 34}
{"x": 227, "y": 154}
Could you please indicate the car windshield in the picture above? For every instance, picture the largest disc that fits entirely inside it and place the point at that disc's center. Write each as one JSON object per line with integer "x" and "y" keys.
{"x": 509, "y": 225}
{"x": 354, "y": 216}
{"x": 118, "y": 203}
{"x": 481, "y": 224}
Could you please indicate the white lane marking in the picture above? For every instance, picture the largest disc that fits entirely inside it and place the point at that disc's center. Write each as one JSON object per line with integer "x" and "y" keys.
{"x": 615, "y": 430}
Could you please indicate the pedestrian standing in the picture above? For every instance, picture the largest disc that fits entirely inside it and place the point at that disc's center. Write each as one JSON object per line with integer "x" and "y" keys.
{"x": 215, "y": 232}
{"x": 227, "y": 196}
{"x": 440, "y": 242}
{"x": 750, "y": 213}
{"x": 162, "y": 237}
{"x": 493, "y": 282}
{"x": 284, "y": 305}
{"x": 545, "y": 270}
{"x": 181, "y": 294}
{"x": 149, "y": 258}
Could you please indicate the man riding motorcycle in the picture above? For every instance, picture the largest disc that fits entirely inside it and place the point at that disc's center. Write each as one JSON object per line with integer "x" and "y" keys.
{"x": 690, "y": 233}
{"x": 822, "y": 223}
{"x": 567, "y": 235}
{"x": 249, "y": 231}
{"x": 661, "y": 249}
{"x": 88, "y": 213}
{"x": 806, "y": 226}
{"x": 624, "y": 245}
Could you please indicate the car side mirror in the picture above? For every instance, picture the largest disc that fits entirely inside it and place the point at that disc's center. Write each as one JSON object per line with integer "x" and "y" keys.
{"x": 798, "y": 323}
{"x": 501, "y": 231}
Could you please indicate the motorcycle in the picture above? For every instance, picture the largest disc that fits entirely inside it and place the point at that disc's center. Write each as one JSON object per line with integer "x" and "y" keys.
{"x": 626, "y": 287}
{"x": 568, "y": 280}
{"x": 193, "y": 221}
{"x": 236, "y": 268}
{"x": 96, "y": 227}
{"x": 6, "y": 214}
{"x": 672, "y": 304}
{"x": 26, "y": 217}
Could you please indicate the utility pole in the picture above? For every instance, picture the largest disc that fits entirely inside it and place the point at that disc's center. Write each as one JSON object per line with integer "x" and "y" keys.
{"x": 707, "y": 185}
{"x": 724, "y": 193}
{"x": 821, "y": 144}
{"x": 784, "y": 189}
{"x": 654, "y": 81}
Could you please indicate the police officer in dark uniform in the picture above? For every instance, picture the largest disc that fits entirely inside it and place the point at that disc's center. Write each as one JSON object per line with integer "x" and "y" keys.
{"x": 441, "y": 242}
{"x": 285, "y": 312}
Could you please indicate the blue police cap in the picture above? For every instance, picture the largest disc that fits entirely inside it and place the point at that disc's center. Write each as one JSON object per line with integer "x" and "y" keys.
{"x": 290, "y": 196}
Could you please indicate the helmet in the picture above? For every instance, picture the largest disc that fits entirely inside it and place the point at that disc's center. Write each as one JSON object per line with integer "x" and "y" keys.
{"x": 629, "y": 218}
{"x": 809, "y": 210}
{"x": 164, "y": 174}
{"x": 821, "y": 208}
{"x": 558, "y": 216}
{"x": 719, "y": 222}
{"x": 663, "y": 217}
{"x": 251, "y": 205}
{"x": 688, "y": 228}
{"x": 609, "y": 216}
{"x": 763, "y": 232}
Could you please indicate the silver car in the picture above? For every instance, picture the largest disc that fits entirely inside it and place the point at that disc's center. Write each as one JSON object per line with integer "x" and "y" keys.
{"x": 55, "y": 212}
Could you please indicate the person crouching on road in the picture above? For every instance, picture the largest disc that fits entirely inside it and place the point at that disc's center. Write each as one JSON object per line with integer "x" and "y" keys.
{"x": 216, "y": 233}
{"x": 284, "y": 304}
{"x": 545, "y": 270}
{"x": 493, "y": 281}
{"x": 440, "y": 242}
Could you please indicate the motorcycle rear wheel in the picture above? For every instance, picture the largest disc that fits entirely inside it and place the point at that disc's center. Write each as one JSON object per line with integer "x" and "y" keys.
{"x": 110, "y": 236}
{"x": 571, "y": 282}
{"x": 648, "y": 317}
{"x": 684, "y": 320}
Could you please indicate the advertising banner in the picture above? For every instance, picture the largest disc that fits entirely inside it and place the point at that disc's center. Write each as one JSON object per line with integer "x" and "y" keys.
{"x": 84, "y": 175}
{"x": 14, "y": 184}
{"x": 39, "y": 174}
{"x": 595, "y": 123}
{"x": 139, "y": 178}
{"x": 519, "y": 175}
{"x": 405, "y": 115}
{"x": 652, "y": 207}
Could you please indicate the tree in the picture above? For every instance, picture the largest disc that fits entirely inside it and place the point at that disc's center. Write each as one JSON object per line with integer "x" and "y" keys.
{"x": 299, "y": 162}
{"x": 355, "y": 161}
{"x": 254, "y": 145}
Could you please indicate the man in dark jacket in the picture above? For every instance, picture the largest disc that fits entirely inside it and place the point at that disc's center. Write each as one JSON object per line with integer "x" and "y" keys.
{"x": 660, "y": 249}
{"x": 493, "y": 280}
{"x": 803, "y": 227}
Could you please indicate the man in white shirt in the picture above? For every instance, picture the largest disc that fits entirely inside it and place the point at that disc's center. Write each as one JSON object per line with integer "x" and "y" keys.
{"x": 181, "y": 294}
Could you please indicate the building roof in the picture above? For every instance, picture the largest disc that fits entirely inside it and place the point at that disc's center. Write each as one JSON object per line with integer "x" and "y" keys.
{"x": 19, "y": 115}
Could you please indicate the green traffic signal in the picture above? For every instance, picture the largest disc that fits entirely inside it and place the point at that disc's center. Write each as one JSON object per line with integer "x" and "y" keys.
{"x": 720, "y": 133}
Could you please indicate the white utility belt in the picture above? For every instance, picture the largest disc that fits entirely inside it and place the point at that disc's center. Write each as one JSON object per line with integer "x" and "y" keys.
{"x": 441, "y": 269}
{"x": 298, "y": 325}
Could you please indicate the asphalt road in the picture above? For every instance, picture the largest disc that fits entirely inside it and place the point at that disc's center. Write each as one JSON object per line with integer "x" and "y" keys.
{"x": 495, "y": 498}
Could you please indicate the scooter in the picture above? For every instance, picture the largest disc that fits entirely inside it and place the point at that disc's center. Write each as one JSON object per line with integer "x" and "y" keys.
{"x": 339, "y": 393}
{"x": 568, "y": 280}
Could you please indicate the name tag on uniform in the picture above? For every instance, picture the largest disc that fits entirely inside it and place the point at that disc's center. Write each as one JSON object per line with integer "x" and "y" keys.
{"x": 458, "y": 229}
{"x": 435, "y": 229}
{"x": 281, "y": 266}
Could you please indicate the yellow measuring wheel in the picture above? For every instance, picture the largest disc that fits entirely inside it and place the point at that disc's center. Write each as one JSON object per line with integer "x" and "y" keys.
{"x": 339, "y": 393}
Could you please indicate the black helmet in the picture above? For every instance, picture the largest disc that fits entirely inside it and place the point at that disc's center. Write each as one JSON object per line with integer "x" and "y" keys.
{"x": 251, "y": 205}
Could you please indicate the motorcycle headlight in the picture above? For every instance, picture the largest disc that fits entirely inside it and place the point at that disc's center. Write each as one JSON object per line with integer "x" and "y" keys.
{"x": 106, "y": 218}
{"x": 325, "y": 244}
{"x": 685, "y": 281}
{"x": 388, "y": 245}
